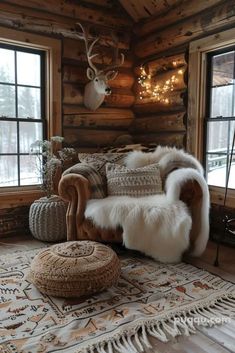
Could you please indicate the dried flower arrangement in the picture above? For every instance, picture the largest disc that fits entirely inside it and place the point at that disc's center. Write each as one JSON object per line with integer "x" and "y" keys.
{"x": 50, "y": 159}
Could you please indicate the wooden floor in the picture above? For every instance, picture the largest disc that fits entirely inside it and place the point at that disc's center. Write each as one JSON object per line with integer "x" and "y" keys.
{"x": 220, "y": 339}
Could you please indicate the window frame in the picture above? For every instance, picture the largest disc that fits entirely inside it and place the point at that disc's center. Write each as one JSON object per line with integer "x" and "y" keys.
{"x": 17, "y": 119}
{"x": 197, "y": 89}
{"x": 208, "y": 119}
{"x": 24, "y": 195}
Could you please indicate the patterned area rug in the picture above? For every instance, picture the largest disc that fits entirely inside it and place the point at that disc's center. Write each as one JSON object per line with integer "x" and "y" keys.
{"x": 150, "y": 299}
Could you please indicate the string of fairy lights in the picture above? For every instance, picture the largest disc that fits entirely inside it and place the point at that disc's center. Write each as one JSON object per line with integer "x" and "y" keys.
{"x": 156, "y": 91}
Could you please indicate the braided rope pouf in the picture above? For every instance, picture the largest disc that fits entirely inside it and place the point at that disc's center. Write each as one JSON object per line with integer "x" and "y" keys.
{"x": 74, "y": 269}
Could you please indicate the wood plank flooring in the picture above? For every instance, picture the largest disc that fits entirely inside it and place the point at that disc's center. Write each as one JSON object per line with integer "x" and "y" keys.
{"x": 219, "y": 339}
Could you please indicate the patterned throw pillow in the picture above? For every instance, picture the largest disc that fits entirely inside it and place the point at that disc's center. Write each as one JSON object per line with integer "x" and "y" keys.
{"x": 98, "y": 191}
{"x": 99, "y": 160}
{"x": 133, "y": 182}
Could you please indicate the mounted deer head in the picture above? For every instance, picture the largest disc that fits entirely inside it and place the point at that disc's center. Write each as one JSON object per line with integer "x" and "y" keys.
{"x": 97, "y": 88}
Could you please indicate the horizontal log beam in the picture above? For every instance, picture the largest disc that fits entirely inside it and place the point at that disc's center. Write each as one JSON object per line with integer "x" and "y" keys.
{"x": 77, "y": 74}
{"x": 14, "y": 220}
{"x": 78, "y": 109}
{"x": 159, "y": 123}
{"x": 151, "y": 105}
{"x": 178, "y": 74}
{"x": 166, "y": 63}
{"x": 207, "y": 22}
{"x": 34, "y": 21}
{"x": 73, "y": 94}
{"x": 120, "y": 98}
{"x": 74, "y": 49}
{"x": 184, "y": 10}
{"x": 175, "y": 79}
{"x": 98, "y": 121}
{"x": 151, "y": 108}
{"x": 91, "y": 138}
{"x": 162, "y": 64}
{"x": 165, "y": 139}
{"x": 76, "y": 11}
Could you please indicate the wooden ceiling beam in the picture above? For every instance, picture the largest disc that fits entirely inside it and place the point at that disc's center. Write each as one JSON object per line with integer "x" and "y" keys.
{"x": 139, "y": 9}
{"x": 180, "y": 34}
{"x": 107, "y": 4}
{"x": 183, "y": 10}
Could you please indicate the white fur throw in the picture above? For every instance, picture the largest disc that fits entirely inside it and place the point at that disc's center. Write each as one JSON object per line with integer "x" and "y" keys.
{"x": 159, "y": 225}
{"x": 168, "y": 158}
{"x": 151, "y": 224}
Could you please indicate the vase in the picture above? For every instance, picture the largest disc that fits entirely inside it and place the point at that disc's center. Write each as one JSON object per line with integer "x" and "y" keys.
{"x": 47, "y": 219}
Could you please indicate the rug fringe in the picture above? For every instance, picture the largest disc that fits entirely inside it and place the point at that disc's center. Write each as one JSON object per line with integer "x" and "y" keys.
{"x": 164, "y": 329}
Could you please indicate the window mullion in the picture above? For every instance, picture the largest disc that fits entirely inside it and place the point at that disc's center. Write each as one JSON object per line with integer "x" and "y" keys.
{"x": 17, "y": 121}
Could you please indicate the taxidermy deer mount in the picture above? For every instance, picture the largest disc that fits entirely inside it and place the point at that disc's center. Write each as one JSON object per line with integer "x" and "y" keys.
{"x": 97, "y": 88}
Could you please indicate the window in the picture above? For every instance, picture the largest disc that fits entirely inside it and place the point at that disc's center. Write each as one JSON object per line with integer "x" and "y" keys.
{"x": 46, "y": 54}
{"x": 22, "y": 112}
{"x": 211, "y": 109}
{"x": 220, "y": 117}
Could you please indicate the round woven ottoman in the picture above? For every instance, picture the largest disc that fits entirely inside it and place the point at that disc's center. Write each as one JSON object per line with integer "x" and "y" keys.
{"x": 75, "y": 269}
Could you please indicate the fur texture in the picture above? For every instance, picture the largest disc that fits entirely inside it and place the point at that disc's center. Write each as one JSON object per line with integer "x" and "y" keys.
{"x": 151, "y": 224}
{"x": 167, "y": 157}
{"x": 160, "y": 226}
{"x": 176, "y": 168}
{"x": 199, "y": 212}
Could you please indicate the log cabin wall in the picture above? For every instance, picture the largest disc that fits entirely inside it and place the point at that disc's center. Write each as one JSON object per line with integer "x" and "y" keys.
{"x": 161, "y": 46}
{"x": 82, "y": 128}
{"x": 161, "y": 110}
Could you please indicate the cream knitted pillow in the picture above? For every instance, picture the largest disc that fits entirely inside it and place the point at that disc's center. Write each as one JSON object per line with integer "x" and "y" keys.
{"x": 74, "y": 269}
{"x": 133, "y": 182}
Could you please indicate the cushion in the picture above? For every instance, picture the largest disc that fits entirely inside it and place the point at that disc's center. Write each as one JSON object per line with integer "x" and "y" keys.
{"x": 98, "y": 190}
{"x": 133, "y": 182}
{"x": 75, "y": 269}
{"x": 99, "y": 160}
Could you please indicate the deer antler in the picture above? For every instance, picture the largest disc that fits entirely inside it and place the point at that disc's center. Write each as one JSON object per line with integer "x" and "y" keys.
{"x": 89, "y": 47}
{"x": 116, "y": 64}
{"x": 85, "y": 36}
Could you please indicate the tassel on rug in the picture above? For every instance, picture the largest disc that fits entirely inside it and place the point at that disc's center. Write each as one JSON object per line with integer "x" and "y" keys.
{"x": 183, "y": 323}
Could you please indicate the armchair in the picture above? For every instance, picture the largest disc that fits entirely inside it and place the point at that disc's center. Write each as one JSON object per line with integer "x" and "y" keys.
{"x": 183, "y": 181}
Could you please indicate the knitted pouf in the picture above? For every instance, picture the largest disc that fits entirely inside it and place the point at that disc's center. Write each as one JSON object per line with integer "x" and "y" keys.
{"x": 74, "y": 269}
{"x": 47, "y": 219}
